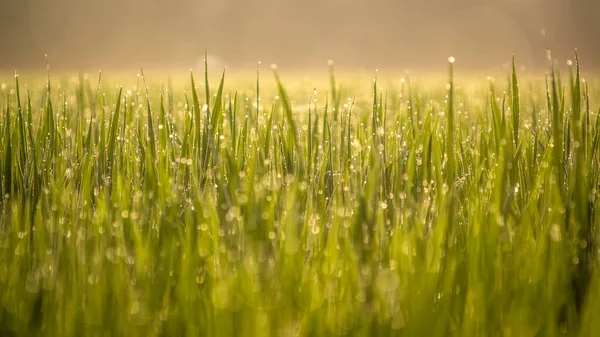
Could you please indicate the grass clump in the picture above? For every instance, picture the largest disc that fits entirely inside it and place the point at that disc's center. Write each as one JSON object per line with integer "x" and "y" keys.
{"x": 401, "y": 211}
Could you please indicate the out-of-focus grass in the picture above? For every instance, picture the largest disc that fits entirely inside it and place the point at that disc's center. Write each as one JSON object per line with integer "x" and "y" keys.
{"x": 268, "y": 207}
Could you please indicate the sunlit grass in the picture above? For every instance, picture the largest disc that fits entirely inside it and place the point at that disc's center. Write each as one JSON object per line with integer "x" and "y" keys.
{"x": 274, "y": 207}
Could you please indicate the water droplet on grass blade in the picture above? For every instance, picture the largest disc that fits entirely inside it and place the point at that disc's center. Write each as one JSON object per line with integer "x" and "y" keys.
{"x": 135, "y": 308}
{"x": 555, "y": 233}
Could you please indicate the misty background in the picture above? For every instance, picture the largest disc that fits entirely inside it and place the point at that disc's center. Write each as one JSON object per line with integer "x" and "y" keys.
{"x": 481, "y": 34}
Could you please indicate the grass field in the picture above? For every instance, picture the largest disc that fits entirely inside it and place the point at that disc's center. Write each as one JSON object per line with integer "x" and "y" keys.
{"x": 383, "y": 207}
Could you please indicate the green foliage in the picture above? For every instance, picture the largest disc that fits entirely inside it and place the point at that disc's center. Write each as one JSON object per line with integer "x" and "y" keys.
{"x": 420, "y": 211}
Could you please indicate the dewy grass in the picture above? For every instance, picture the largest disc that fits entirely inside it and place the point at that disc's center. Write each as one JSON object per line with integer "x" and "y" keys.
{"x": 388, "y": 211}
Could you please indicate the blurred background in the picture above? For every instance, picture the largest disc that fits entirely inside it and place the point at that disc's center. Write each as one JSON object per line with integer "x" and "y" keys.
{"x": 301, "y": 34}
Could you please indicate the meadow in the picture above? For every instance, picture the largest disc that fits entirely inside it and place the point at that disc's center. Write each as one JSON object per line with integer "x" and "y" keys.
{"x": 273, "y": 206}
